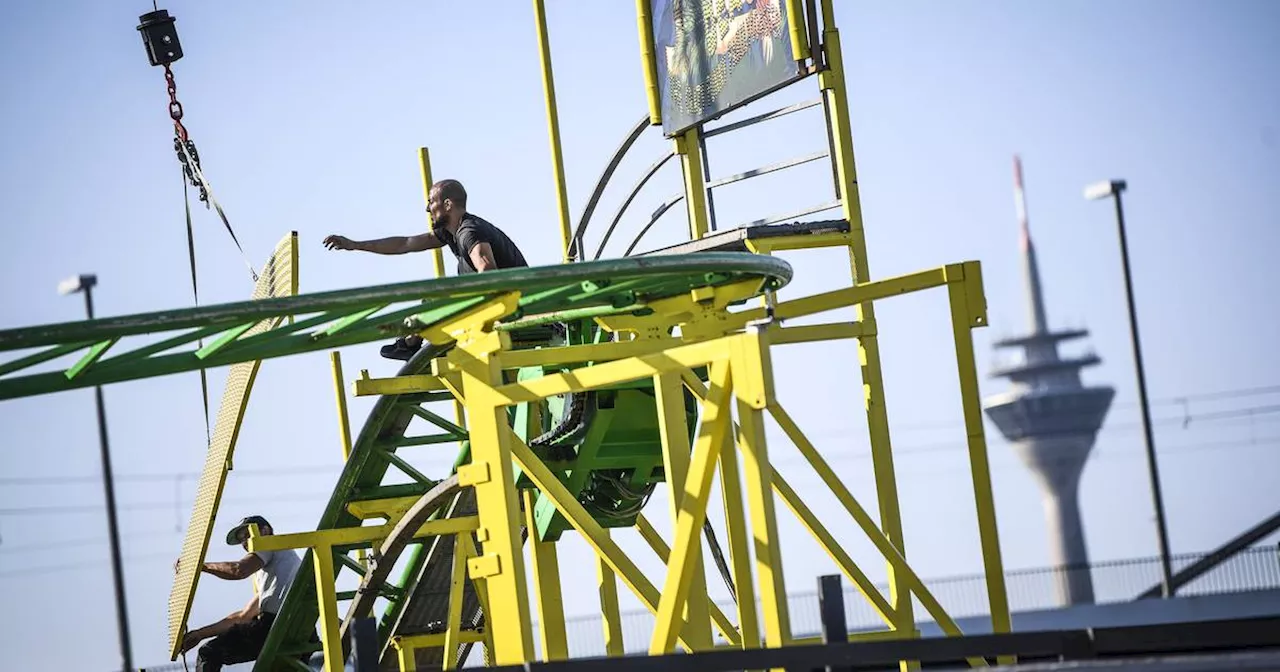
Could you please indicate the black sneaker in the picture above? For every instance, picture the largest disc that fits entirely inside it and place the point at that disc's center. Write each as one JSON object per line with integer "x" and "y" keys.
{"x": 399, "y": 350}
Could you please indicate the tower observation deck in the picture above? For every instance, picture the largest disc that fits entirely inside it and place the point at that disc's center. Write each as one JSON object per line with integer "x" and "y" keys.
{"x": 1052, "y": 420}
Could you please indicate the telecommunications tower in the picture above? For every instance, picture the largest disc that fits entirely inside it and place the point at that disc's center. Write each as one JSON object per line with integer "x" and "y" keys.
{"x": 1052, "y": 420}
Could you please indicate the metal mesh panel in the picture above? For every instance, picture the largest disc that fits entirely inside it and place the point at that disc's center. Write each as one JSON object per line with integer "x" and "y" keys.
{"x": 279, "y": 277}
{"x": 714, "y": 54}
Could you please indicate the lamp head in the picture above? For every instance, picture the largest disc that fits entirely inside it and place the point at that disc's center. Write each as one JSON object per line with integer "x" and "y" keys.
{"x": 1099, "y": 190}
{"x": 77, "y": 283}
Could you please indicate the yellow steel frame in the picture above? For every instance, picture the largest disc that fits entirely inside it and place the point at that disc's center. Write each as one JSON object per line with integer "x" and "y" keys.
{"x": 735, "y": 348}
{"x": 737, "y": 354}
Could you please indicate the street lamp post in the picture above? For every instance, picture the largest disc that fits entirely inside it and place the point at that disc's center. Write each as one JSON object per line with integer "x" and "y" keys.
{"x": 84, "y": 284}
{"x": 1113, "y": 189}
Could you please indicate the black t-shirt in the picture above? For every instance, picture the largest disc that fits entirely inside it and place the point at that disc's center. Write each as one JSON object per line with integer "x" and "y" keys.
{"x": 473, "y": 231}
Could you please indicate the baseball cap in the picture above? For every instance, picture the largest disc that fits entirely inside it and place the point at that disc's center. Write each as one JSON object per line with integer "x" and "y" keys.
{"x": 243, "y": 526}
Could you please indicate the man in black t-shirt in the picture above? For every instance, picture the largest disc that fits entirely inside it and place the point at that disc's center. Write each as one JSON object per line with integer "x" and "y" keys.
{"x": 478, "y": 245}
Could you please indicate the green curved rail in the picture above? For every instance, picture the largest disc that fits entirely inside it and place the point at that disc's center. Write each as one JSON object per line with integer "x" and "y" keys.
{"x": 114, "y": 350}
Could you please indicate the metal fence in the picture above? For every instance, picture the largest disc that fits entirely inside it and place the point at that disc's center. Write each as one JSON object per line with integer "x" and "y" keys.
{"x": 1257, "y": 568}
{"x": 962, "y": 596}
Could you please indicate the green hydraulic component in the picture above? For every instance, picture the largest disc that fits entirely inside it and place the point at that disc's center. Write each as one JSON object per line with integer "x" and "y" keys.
{"x": 562, "y": 295}
{"x": 335, "y": 319}
{"x": 616, "y": 465}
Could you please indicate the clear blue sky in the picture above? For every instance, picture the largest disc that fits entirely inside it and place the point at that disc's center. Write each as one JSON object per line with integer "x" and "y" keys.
{"x": 308, "y": 117}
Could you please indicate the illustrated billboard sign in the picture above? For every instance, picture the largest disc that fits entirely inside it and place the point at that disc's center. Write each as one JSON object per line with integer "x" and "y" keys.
{"x": 715, "y": 55}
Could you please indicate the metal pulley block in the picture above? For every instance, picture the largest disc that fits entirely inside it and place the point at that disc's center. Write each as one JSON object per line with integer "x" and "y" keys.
{"x": 160, "y": 37}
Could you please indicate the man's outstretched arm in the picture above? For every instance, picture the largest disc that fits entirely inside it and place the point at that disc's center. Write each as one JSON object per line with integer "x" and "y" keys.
{"x": 191, "y": 639}
{"x": 236, "y": 570}
{"x": 392, "y": 245}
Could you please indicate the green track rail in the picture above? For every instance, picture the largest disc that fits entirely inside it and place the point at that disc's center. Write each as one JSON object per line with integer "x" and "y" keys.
{"x": 118, "y": 349}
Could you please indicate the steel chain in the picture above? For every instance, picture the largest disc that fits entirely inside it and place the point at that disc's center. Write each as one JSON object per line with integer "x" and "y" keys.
{"x": 181, "y": 138}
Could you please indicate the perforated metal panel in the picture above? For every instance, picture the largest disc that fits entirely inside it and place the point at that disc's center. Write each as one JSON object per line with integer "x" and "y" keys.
{"x": 279, "y": 277}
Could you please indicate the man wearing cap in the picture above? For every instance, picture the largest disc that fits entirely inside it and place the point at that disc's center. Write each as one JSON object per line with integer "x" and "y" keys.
{"x": 238, "y": 638}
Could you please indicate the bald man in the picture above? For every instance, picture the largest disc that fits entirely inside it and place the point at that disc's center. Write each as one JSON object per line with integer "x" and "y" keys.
{"x": 478, "y": 245}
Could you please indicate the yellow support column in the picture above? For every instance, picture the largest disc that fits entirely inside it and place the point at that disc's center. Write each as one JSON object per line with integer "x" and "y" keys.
{"x": 437, "y": 258}
{"x": 546, "y": 581}
{"x": 688, "y": 528}
{"x": 553, "y": 125}
{"x": 344, "y": 423}
{"x": 406, "y": 656}
{"x": 482, "y": 595}
{"x": 799, "y": 35}
{"x": 327, "y": 599}
{"x": 832, "y": 83}
{"x": 453, "y": 622}
{"x": 964, "y": 294}
{"x": 695, "y": 188}
{"x": 753, "y": 387}
{"x": 674, "y": 430}
{"x": 424, "y": 160}
{"x": 502, "y": 563}
{"x": 735, "y": 525}
{"x": 612, "y": 618}
{"x": 644, "y": 19}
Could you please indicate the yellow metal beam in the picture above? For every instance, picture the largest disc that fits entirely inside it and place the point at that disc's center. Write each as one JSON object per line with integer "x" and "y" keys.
{"x": 453, "y": 621}
{"x": 814, "y": 332}
{"x": 353, "y": 536}
{"x": 674, "y": 431}
{"x": 758, "y": 479}
{"x": 553, "y": 125}
{"x": 327, "y": 600}
{"x": 344, "y": 424}
{"x": 377, "y": 387}
{"x": 435, "y": 640}
{"x": 648, "y": 56}
{"x": 832, "y": 83}
{"x": 695, "y": 187}
{"x": 614, "y": 373}
{"x": 700, "y": 314}
{"x": 736, "y": 537}
{"x": 390, "y": 508}
{"x": 859, "y": 294}
{"x": 962, "y": 317}
{"x": 736, "y": 534}
{"x": 796, "y": 25}
{"x": 437, "y": 256}
{"x": 546, "y": 582}
{"x": 482, "y": 595}
{"x": 502, "y": 564}
{"x": 590, "y": 352}
{"x": 405, "y": 656}
{"x": 801, "y": 242}
{"x": 833, "y": 549}
{"x": 611, "y": 617}
{"x": 660, "y": 549}
{"x": 897, "y": 562}
{"x": 474, "y": 323}
{"x": 424, "y": 161}
{"x": 693, "y": 508}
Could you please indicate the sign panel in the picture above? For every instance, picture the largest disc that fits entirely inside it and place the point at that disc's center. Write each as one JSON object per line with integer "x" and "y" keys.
{"x": 716, "y": 55}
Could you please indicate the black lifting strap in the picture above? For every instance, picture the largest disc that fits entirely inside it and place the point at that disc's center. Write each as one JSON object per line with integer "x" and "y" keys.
{"x": 195, "y": 291}
{"x": 194, "y": 166}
